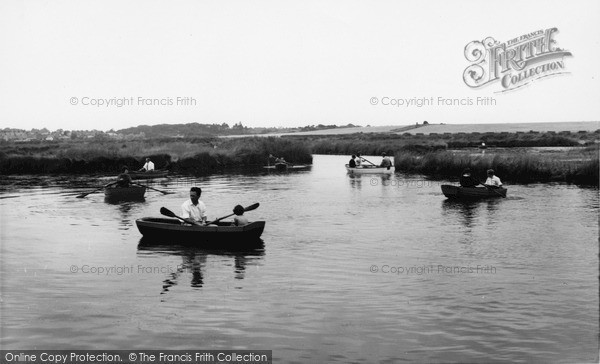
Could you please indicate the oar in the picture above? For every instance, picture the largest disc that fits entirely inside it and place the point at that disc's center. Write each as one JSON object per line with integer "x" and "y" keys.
{"x": 163, "y": 192}
{"x": 96, "y": 190}
{"x": 366, "y": 160}
{"x": 249, "y": 208}
{"x": 165, "y": 211}
{"x": 492, "y": 189}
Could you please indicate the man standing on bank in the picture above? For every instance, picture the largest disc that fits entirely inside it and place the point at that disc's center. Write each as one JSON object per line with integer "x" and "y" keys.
{"x": 193, "y": 211}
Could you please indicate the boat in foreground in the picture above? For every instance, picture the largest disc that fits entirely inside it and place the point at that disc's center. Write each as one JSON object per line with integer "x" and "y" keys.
{"x": 221, "y": 234}
{"x": 125, "y": 193}
{"x": 158, "y": 173}
{"x": 370, "y": 170}
{"x": 451, "y": 191}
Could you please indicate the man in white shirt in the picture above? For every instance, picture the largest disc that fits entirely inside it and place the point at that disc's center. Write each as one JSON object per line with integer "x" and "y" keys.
{"x": 149, "y": 166}
{"x": 193, "y": 210}
{"x": 492, "y": 181}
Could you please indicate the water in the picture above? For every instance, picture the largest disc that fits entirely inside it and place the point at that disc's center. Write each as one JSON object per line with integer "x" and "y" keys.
{"x": 364, "y": 268}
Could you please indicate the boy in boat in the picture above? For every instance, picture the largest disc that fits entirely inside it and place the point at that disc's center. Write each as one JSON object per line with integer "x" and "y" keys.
{"x": 239, "y": 219}
{"x": 358, "y": 160}
{"x": 492, "y": 180}
{"x": 352, "y": 162}
{"x": 385, "y": 162}
{"x": 193, "y": 211}
{"x": 124, "y": 179}
{"x": 149, "y": 166}
{"x": 466, "y": 180}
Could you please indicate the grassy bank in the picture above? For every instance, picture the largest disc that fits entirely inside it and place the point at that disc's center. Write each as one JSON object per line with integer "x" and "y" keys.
{"x": 518, "y": 168}
{"x": 192, "y": 156}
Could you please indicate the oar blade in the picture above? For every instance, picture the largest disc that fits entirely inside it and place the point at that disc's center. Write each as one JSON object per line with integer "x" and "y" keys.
{"x": 252, "y": 207}
{"x": 165, "y": 211}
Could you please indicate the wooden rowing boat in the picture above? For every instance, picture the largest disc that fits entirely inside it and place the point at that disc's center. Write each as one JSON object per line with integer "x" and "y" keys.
{"x": 158, "y": 173}
{"x": 288, "y": 167}
{"x": 472, "y": 192}
{"x": 223, "y": 233}
{"x": 370, "y": 170}
{"x": 125, "y": 193}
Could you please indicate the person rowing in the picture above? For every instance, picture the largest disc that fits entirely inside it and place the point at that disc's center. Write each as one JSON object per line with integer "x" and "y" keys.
{"x": 193, "y": 211}
{"x": 492, "y": 180}
{"x": 358, "y": 160}
{"x": 385, "y": 162}
{"x": 148, "y": 166}
{"x": 124, "y": 179}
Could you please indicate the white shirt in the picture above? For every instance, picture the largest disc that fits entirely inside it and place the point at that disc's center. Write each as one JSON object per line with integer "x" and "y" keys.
{"x": 493, "y": 181}
{"x": 358, "y": 162}
{"x": 194, "y": 212}
{"x": 149, "y": 166}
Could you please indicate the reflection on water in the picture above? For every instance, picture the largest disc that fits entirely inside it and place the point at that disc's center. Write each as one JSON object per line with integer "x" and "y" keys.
{"x": 193, "y": 260}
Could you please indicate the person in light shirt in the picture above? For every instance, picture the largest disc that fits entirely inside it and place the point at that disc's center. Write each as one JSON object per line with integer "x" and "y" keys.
{"x": 193, "y": 211}
{"x": 149, "y": 166}
{"x": 492, "y": 180}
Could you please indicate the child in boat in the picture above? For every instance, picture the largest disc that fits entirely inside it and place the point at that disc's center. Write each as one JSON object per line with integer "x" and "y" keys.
{"x": 239, "y": 219}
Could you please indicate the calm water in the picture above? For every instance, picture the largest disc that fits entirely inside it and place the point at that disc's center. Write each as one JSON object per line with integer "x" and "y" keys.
{"x": 363, "y": 268}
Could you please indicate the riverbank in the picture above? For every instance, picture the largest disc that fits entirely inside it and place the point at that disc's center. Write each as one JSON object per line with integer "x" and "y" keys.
{"x": 191, "y": 156}
{"x": 575, "y": 161}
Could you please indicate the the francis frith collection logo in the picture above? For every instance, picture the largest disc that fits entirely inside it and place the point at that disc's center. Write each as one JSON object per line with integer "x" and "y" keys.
{"x": 516, "y": 62}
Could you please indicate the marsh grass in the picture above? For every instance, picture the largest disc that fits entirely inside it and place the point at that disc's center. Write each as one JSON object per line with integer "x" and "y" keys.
{"x": 195, "y": 156}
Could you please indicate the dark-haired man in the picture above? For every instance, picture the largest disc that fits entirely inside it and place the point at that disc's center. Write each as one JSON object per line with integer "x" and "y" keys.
{"x": 193, "y": 210}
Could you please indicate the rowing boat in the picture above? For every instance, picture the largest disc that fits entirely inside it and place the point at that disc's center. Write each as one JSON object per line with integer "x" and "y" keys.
{"x": 472, "y": 192}
{"x": 158, "y": 173}
{"x": 287, "y": 167}
{"x": 370, "y": 170}
{"x": 125, "y": 193}
{"x": 223, "y": 233}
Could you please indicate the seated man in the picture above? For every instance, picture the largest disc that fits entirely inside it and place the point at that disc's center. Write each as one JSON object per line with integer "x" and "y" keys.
{"x": 466, "y": 180}
{"x": 352, "y": 162}
{"x": 385, "y": 162}
{"x": 193, "y": 211}
{"x": 149, "y": 166}
{"x": 124, "y": 179}
{"x": 492, "y": 180}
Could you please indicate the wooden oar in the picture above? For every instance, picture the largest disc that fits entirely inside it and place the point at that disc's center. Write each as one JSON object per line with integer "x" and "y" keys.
{"x": 492, "y": 189}
{"x": 96, "y": 190}
{"x": 366, "y": 160}
{"x": 165, "y": 211}
{"x": 163, "y": 192}
{"x": 249, "y": 208}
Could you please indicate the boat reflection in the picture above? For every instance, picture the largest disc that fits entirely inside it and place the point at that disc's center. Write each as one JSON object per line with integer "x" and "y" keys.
{"x": 194, "y": 259}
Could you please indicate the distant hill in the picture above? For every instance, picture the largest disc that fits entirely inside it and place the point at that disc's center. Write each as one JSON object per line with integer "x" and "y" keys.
{"x": 210, "y": 130}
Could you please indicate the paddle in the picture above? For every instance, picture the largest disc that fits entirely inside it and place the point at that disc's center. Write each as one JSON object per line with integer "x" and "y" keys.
{"x": 163, "y": 192}
{"x": 492, "y": 189}
{"x": 249, "y": 208}
{"x": 96, "y": 190}
{"x": 368, "y": 161}
{"x": 165, "y": 211}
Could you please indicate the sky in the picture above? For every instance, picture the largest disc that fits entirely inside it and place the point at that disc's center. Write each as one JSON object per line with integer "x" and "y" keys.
{"x": 82, "y": 65}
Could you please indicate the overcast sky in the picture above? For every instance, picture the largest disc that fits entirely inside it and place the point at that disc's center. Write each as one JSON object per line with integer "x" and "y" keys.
{"x": 281, "y": 63}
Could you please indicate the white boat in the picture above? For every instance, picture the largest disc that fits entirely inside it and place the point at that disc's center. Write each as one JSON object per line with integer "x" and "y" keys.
{"x": 370, "y": 170}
